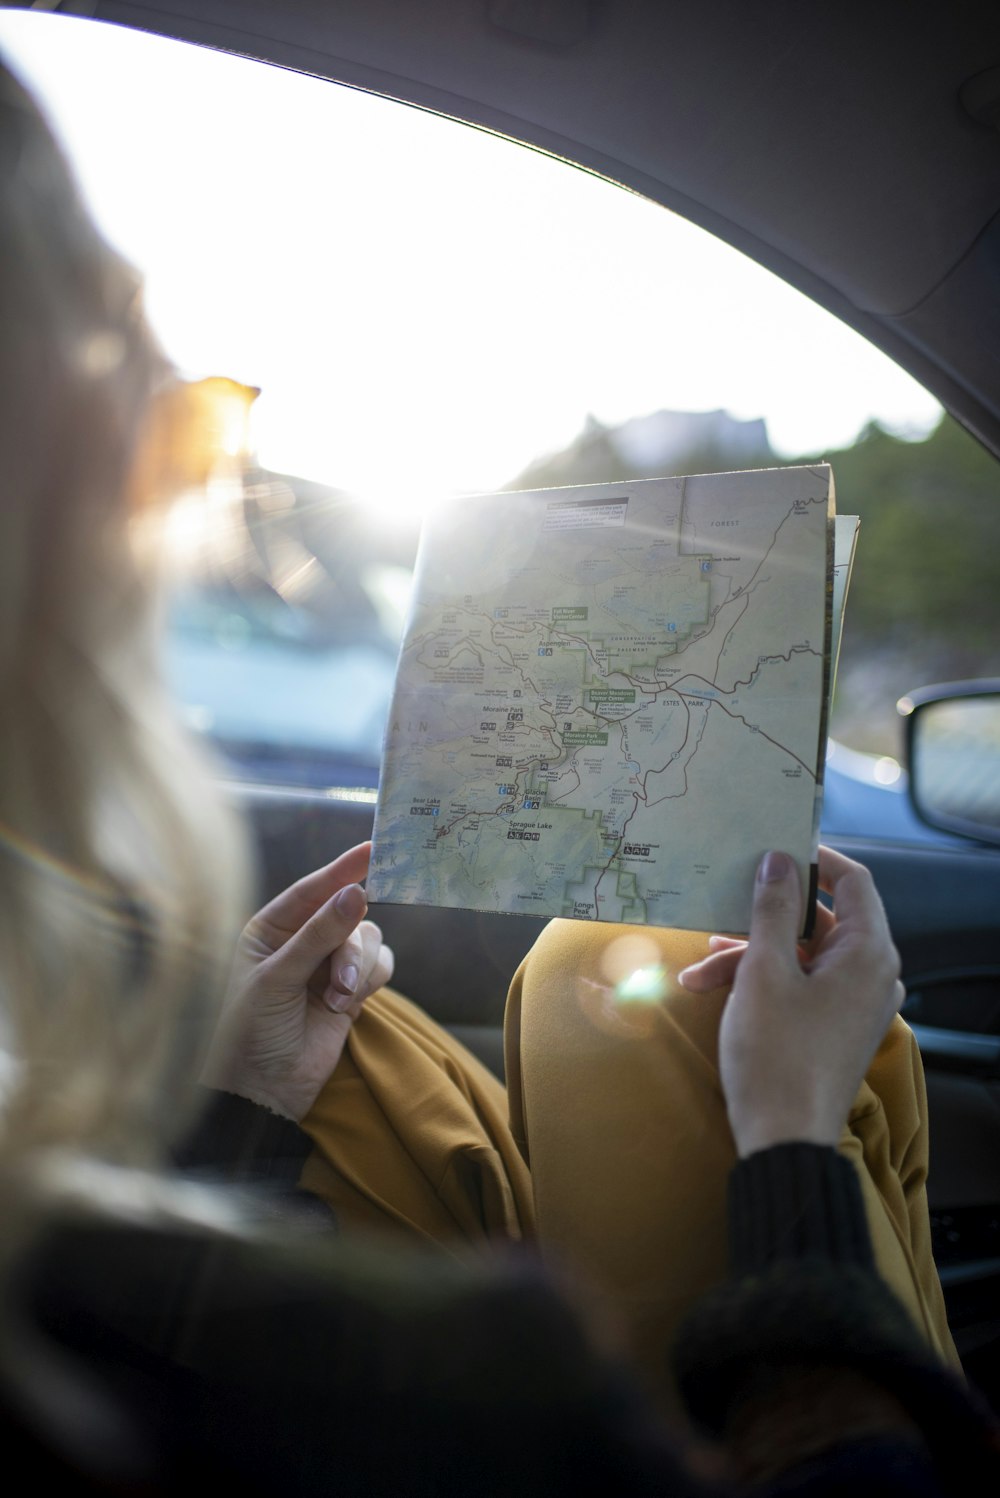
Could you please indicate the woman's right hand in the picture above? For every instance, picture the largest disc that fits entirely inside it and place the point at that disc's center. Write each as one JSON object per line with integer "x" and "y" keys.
{"x": 802, "y": 1021}
{"x": 304, "y": 967}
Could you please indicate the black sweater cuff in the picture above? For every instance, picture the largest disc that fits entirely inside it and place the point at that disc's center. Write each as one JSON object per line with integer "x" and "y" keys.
{"x": 239, "y": 1141}
{"x": 796, "y": 1201}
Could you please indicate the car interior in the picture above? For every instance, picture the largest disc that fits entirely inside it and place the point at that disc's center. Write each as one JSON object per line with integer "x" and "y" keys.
{"x": 855, "y": 154}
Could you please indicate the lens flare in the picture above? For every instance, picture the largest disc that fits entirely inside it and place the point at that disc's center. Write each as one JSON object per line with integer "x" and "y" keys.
{"x": 634, "y": 980}
{"x": 647, "y": 985}
{"x": 627, "y": 955}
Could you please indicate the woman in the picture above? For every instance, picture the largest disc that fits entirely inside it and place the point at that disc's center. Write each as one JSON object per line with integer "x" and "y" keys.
{"x": 159, "y": 1335}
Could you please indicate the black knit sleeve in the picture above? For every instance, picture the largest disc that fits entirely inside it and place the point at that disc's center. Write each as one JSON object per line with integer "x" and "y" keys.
{"x": 796, "y": 1201}
{"x": 237, "y": 1143}
{"x": 805, "y": 1301}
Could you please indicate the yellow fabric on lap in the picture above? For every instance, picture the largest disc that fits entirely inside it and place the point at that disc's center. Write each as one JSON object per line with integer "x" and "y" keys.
{"x": 614, "y": 1097}
{"x": 617, "y": 1101}
{"x": 411, "y": 1136}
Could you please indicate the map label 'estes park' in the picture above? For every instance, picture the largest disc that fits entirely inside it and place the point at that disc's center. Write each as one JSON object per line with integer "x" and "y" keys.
{"x": 611, "y": 700}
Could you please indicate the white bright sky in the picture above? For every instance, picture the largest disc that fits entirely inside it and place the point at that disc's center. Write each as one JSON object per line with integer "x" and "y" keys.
{"x": 426, "y": 308}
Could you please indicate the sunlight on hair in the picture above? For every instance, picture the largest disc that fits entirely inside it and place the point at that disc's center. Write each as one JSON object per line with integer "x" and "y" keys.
{"x": 195, "y": 432}
{"x": 188, "y": 473}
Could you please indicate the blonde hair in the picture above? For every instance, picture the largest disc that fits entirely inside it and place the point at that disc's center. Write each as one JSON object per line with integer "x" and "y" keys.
{"x": 121, "y": 873}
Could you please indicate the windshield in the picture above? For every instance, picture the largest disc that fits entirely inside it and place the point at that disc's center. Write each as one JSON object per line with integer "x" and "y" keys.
{"x": 428, "y": 310}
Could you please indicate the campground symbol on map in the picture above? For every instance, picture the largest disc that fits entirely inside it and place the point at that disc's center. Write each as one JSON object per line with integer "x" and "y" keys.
{"x": 611, "y": 700}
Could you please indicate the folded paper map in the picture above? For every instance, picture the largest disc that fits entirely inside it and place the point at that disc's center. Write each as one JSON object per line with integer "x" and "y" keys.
{"x": 612, "y": 700}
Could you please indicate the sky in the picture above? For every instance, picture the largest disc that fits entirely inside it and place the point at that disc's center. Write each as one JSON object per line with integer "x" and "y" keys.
{"x": 426, "y": 308}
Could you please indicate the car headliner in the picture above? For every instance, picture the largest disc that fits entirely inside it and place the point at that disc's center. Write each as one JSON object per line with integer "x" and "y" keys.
{"x": 851, "y": 146}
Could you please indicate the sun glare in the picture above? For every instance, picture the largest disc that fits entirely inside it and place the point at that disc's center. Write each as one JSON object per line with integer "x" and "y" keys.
{"x": 426, "y": 308}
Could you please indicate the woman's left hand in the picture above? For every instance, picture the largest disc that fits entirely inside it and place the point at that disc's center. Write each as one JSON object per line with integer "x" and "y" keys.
{"x": 803, "y": 1019}
{"x": 304, "y": 966}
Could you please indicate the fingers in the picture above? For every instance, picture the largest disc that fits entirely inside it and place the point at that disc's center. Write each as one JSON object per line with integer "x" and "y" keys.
{"x": 359, "y": 967}
{"x": 719, "y": 969}
{"x": 294, "y": 963}
{"x": 382, "y": 968}
{"x": 347, "y": 963}
{"x": 375, "y": 963}
{"x": 823, "y": 924}
{"x": 350, "y": 868}
{"x": 861, "y": 921}
{"x": 833, "y": 866}
{"x": 713, "y": 972}
{"x": 774, "y": 928}
{"x": 289, "y": 910}
{"x": 856, "y": 900}
{"x": 776, "y": 919}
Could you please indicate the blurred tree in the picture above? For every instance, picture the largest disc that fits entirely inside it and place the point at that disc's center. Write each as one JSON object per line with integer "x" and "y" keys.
{"x": 923, "y": 604}
{"x": 925, "y": 576}
{"x": 650, "y": 446}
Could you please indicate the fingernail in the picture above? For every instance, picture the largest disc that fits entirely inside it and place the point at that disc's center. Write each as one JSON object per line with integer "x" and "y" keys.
{"x": 774, "y": 867}
{"x": 347, "y": 979}
{"x": 336, "y": 1002}
{"x": 351, "y": 902}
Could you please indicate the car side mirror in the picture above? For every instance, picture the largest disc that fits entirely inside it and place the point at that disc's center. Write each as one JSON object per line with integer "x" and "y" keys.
{"x": 953, "y": 756}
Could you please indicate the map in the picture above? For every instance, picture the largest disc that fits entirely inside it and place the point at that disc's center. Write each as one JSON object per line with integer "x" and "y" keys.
{"x": 611, "y": 700}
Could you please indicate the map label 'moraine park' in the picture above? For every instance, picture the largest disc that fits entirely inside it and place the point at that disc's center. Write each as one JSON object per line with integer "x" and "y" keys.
{"x": 658, "y": 691}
